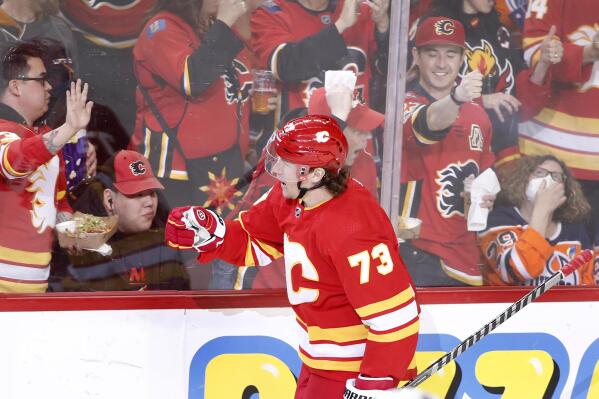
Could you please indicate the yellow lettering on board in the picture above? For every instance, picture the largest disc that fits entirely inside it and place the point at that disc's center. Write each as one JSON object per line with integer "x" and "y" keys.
{"x": 594, "y": 386}
{"x": 520, "y": 373}
{"x": 229, "y": 375}
{"x": 440, "y": 382}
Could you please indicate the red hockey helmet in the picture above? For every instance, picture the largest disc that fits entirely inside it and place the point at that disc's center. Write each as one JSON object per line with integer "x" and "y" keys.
{"x": 311, "y": 141}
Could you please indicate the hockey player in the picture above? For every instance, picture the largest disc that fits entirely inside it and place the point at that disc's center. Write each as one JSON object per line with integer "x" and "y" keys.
{"x": 355, "y": 304}
{"x": 33, "y": 183}
{"x": 447, "y": 139}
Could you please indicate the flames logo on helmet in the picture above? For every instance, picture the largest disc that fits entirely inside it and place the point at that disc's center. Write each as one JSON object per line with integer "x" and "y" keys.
{"x": 234, "y": 92}
{"x": 451, "y": 183}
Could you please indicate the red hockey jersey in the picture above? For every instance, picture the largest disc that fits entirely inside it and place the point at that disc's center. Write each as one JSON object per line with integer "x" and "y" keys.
{"x": 205, "y": 125}
{"x": 435, "y": 171}
{"x": 354, "y": 300}
{"x": 569, "y": 125}
{"x": 516, "y": 254}
{"x": 32, "y": 188}
{"x": 279, "y": 23}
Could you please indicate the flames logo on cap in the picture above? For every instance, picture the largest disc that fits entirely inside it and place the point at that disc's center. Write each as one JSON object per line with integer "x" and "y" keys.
{"x": 137, "y": 168}
{"x": 444, "y": 27}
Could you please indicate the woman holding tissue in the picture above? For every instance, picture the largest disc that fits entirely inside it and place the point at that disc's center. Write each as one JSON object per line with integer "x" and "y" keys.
{"x": 540, "y": 228}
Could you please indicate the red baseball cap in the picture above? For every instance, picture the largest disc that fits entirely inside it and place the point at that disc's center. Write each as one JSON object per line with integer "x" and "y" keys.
{"x": 361, "y": 117}
{"x": 440, "y": 30}
{"x": 133, "y": 173}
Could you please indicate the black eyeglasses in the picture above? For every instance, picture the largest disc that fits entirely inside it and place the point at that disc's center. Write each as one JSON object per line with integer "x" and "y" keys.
{"x": 556, "y": 176}
{"x": 42, "y": 79}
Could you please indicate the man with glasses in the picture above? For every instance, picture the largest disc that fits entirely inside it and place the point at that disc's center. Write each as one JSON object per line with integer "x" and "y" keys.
{"x": 33, "y": 184}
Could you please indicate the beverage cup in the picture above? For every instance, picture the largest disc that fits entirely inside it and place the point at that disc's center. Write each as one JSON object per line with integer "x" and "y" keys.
{"x": 263, "y": 89}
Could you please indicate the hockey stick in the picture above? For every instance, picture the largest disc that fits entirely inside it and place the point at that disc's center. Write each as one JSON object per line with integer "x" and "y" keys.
{"x": 558, "y": 276}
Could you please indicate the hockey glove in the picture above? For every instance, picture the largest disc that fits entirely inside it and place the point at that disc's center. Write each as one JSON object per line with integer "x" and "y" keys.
{"x": 365, "y": 387}
{"x": 194, "y": 227}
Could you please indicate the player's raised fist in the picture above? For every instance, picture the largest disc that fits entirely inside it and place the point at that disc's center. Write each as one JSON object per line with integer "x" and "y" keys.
{"x": 194, "y": 227}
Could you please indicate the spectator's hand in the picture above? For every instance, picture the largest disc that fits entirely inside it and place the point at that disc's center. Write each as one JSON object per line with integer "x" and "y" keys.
{"x": 552, "y": 49}
{"x": 501, "y": 102}
{"x": 194, "y": 227}
{"x": 79, "y": 110}
{"x": 488, "y": 201}
{"x": 348, "y": 16}
{"x": 470, "y": 87}
{"x": 380, "y": 14}
{"x": 550, "y": 198}
{"x": 91, "y": 160}
{"x": 340, "y": 98}
{"x": 229, "y": 11}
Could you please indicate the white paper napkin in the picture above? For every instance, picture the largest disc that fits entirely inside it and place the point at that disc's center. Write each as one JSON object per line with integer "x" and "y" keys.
{"x": 341, "y": 78}
{"x": 484, "y": 184}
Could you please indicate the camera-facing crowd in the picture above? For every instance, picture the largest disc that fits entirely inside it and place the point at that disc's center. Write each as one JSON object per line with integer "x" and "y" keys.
{"x": 173, "y": 104}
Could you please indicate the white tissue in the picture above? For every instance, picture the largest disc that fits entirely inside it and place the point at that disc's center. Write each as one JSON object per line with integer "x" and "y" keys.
{"x": 485, "y": 184}
{"x": 339, "y": 78}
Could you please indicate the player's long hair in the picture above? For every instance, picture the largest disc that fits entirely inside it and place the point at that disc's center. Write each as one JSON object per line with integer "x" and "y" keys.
{"x": 515, "y": 181}
{"x": 336, "y": 183}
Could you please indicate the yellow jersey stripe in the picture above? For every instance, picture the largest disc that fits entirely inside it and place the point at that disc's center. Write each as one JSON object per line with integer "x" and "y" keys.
{"x": 25, "y": 257}
{"x": 560, "y": 120}
{"x": 338, "y": 334}
{"x": 162, "y": 161}
{"x": 8, "y": 287}
{"x": 377, "y": 307}
{"x": 352, "y": 365}
{"x": 395, "y": 335}
{"x": 186, "y": 80}
{"x": 572, "y": 159}
{"x": 8, "y": 167}
{"x": 420, "y": 137}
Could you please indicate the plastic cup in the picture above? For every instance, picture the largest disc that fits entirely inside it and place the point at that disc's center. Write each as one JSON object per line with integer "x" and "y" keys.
{"x": 263, "y": 89}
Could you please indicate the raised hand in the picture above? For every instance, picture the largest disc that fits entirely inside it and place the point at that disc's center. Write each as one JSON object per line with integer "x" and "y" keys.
{"x": 550, "y": 197}
{"x": 501, "y": 102}
{"x": 552, "y": 49}
{"x": 229, "y": 11}
{"x": 340, "y": 99}
{"x": 380, "y": 14}
{"x": 194, "y": 227}
{"x": 348, "y": 16}
{"x": 470, "y": 87}
{"x": 79, "y": 110}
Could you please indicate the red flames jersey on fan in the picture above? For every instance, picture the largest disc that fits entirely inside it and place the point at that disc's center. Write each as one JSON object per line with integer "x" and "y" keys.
{"x": 568, "y": 126}
{"x": 32, "y": 187}
{"x": 111, "y": 23}
{"x": 517, "y": 254}
{"x": 441, "y": 167}
{"x": 205, "y": 125}
{"x": 285, "y": 21}
{"x": 354, "y": 301}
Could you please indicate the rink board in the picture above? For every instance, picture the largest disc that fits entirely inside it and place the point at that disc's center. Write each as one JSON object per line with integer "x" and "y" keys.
{"x": 549, "y": 347}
